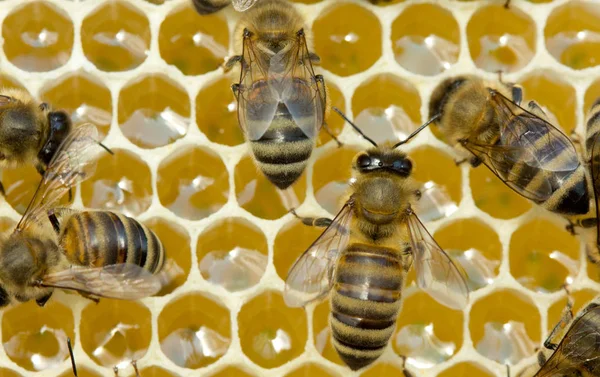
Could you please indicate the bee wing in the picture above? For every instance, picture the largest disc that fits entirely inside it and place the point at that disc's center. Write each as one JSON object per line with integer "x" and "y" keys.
{"x": 123, "y": 281}
{"x": 257, "y": 104}
{"x": 580, "y": 346}
{"x": 310, "y": 277}
{"x": 531, "y": 143}
{"x": 294, "y": 84}
{"x": 595, "y": 174}
{"x": 72, "y": 163}
{"x": 243, "y": 5}
{"x": 436, "y": 273}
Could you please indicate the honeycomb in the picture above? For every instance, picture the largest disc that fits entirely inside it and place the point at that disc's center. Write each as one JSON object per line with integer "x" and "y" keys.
{"x": 147, "y": 74}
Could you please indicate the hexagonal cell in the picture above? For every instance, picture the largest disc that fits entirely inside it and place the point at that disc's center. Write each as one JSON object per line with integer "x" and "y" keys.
{"x": 383, "y": 369}
{"x": 347, "y": 47}
{"x": 543, "y": 256}
{"x": 334, "y": 122}
{"x": 81, "y": 372}
{"x": 216, "y": 113}
{"x": 84, "y": 97}
{"x": 194, "y": 44}
{"x": 571, "y": 34}
{"x": 505, "y": 326}
{"x": 233, "y": 254}
{"x": 322, "y": 333}
{"x": 38, "y": 36}
{"x": 422, "y": 333}
{"x": 116, "y": 36}
{"x": 20, "y": 184}
{"x": 386, "y": 107}
{"x": 122, "y": 182}
{"x": 153, "y": 111}
{"x": 466, "y": 369}
{"x": 278, "y": 337}
{"x": 593, "y": 270}
{"x": 7, "y": 82}
{"x": 306, "y": 1}
{"x": 491, "y": 195}
{"x": 115, "y": 332}
{"x": 329, "y": 184}
{"x": 253, "y": 190}
{"x": 291, "y": 241}
{"x": 194, "y": 331}
{"x": 8, "y": 373}
{"x": 555, "y": 95}
{"x": 309, "y": 370}
{"x": 501, "y": 39}
{"x": 176, "y": 241}
{"x": 190, "y": 189}
{"x": 580, "y": 298}
{"x": 426, "y": 39}
{"x": 35, "y": 338}
{"x": 231, "y": 372}
{"x": 475, "y": 246}
{"x": 153, "y": 371}
{"x": 6, "y": 223}
{"x": 433, "y": 165}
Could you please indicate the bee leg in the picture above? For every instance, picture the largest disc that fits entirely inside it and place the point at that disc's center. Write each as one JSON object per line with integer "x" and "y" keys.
{"x": 535, "y": 109}
{"x": 73, "y": 365}
{"x": 328, "y": 130}
{"x": 228, "y": 65}
{"x": 2, "y": 192}
{"x": 135, "y": 368}
{"x": 43, "y": 300}
{"x": 321, "y": 222}
{"x": 570, "y": 227}
{"x": 554, "y": 338}
{"x": 507, "y": 370}
{"x": 507, "y": 4}
{"x": 541, "y": 358}
{"x": 116, "y": 371}
{"x": 314, "y": 58}
{"x": 517, "y": 94}
{"x": 404, "y": 370}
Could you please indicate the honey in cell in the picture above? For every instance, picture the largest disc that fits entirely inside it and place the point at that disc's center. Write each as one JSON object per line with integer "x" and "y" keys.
{"x": 216, "y": 113}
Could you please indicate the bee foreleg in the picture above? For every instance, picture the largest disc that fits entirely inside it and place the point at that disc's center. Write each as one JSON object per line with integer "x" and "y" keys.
{"x": 321, "y": 222}
{"x": 535, "y": 109}
{"x": 228, "y": 65}
{"x": 43, "y": 300}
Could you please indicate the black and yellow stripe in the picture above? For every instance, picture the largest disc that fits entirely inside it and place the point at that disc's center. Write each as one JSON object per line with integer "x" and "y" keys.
{"x": 365, "y": 301}
{"x": 101, "y": 238}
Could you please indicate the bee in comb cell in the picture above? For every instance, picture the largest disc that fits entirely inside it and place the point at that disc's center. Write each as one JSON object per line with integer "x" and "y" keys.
{"x": 211, "y": 6}
{"x": 282, "y": 104}
{"x": 484, "y": 120}
{"x": 361, "y": 259}
{"x": 30, "y": 132}
{"x": 95, "y": 253}
{"x": 573, "y": 347}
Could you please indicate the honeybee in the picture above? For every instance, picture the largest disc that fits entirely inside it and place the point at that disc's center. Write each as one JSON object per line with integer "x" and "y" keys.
{"x": 520, "y": 146}
{"x": 212, "y": 6}
{"x": 573, "y": 347}
{"x": 282, "y": 104}
{"x": 97, "y": 254}
{"x": 30, "y": 132}
{"x": 362, "y": 257}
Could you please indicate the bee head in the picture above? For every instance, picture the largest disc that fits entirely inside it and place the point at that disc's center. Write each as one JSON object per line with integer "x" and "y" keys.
{"x": 383, "y": 159}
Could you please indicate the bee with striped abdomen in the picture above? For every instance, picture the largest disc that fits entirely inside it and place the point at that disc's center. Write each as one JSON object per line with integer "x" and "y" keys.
{"x": 362, "y": 257}
{"x": 212, "y": 6}
{"x": 30, "y": 132}
{"x": 573, "y": 347}
{"x": 98, "y": 256}
{"x": 282, "y": 104}
{"x": 520, "y": 146}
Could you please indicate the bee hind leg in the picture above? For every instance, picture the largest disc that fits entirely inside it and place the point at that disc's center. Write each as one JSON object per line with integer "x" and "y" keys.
{"x": 555, "y": 336}
{"x": 321, "y": 222}
{"x": 228, "y": 65}
{"x": 404, "y": 370}
{"x": 535, "y": 109}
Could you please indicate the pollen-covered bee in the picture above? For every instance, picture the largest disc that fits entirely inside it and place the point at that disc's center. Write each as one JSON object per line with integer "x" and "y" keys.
{"x": 362, "y": 257}
{"x": 30, "y": 132}
{"x": 98, "y": 254}
{"x": 573, "y": 347}
{"x": 520, "y": 146}
{"x": 282, "y": 104}
{"x": 212, "y": 6}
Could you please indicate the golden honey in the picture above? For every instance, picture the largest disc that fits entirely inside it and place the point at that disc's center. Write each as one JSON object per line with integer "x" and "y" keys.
{"x": 494, "y": 197}
{"x": 466, "y": 369}
{"x": 309, "y": 370}
{"x": 216, "y": 113}
{"x": 382, "y": 369}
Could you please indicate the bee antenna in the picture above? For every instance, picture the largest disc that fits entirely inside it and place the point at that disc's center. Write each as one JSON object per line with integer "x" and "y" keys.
{"x": 354, "y": 126}
{"x": 415, "y": 132}
{"x": 106, "y": 148}
{"x": 72, "y": 357}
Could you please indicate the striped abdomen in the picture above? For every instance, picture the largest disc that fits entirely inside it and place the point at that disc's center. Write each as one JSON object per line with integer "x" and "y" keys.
{"x": 210, "y": 6}
{"x": 283, "y": 151}
{"x": 365, "y": 301}
{"x": 592, "y": 131}
{"x": 101, "y": 238}
{"x": 549, "y": 170}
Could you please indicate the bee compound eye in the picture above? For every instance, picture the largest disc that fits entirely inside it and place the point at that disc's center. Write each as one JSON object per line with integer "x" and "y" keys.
{"x": 363, "y": 161}
{"x": 403, "y": 166}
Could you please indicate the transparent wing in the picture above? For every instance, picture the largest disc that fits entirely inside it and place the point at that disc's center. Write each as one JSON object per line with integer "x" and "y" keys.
{"x": 293, "y": 83}
{"x": 578, "y": 350}
{"x": 436, "y": 273}
{"x": 72, "y": 163}
{"x": 257, "y": 103}
{"x": 595, "y": 174}
{"x": 243, "y": 5}
{"x": 124, "y": 281}
{"x": 527, "y": 148}
{"x": 310, "y": 277}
